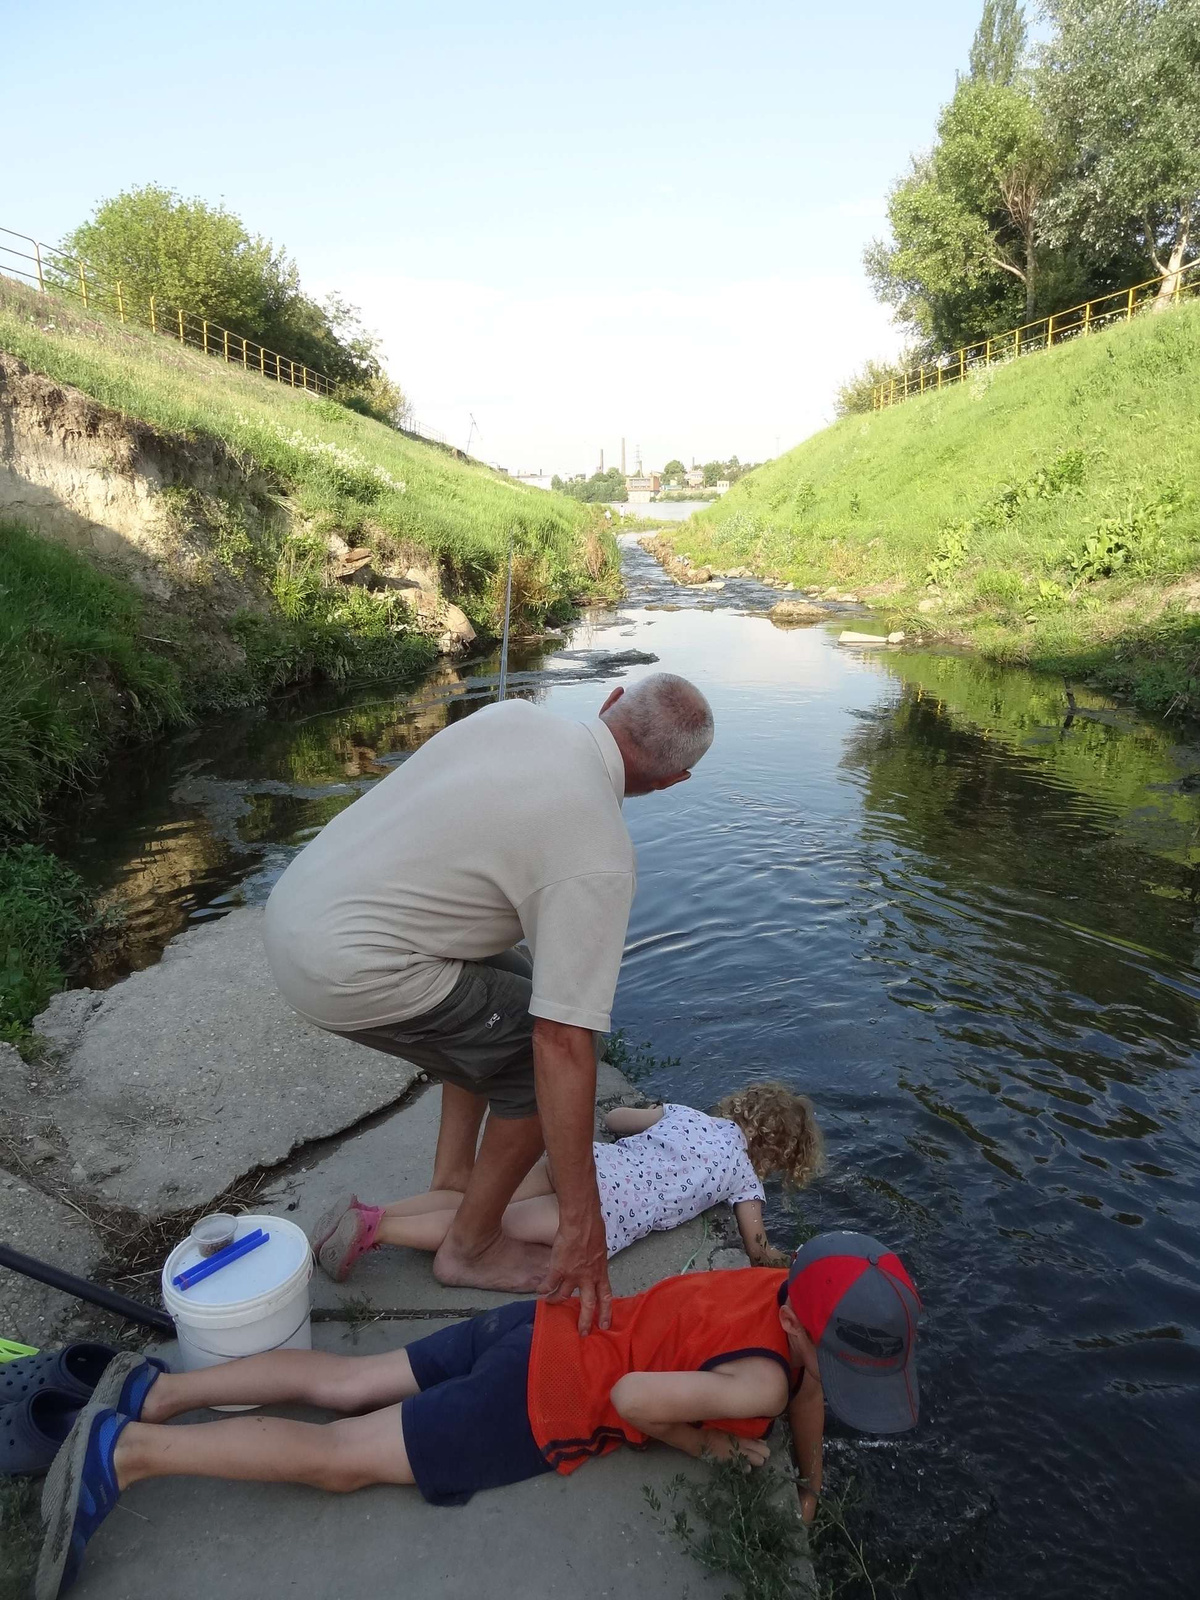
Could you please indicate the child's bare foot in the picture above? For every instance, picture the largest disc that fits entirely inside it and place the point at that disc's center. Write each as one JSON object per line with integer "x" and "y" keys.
{"x": 504, "y": 1264}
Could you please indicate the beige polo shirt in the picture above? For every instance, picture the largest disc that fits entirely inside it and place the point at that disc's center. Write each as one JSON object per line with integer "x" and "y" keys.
{"x": 505, "y": 825}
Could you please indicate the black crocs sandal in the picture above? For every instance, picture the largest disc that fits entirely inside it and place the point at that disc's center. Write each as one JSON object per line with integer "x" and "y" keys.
{"x": 32, "y": 1431}
{"x": 75, "y": 1370}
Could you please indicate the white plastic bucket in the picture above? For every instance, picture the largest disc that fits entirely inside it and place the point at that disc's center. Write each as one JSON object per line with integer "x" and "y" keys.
{"x": 253, "y": 1305}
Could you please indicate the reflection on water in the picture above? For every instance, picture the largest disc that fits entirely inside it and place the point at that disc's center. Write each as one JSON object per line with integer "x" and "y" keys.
{"x": 965, "y": 921}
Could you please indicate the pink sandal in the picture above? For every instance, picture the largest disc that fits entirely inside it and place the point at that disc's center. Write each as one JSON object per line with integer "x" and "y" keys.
{"x": 353, "y": 1235}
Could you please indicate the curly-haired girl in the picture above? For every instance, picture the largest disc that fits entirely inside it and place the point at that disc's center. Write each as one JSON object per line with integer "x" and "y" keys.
{"x": 668, "y": 1164}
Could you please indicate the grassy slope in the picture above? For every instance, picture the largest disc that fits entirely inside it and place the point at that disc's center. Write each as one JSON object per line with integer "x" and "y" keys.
{"x": 344, "y": 471}
{"x": 1084, "y": 454}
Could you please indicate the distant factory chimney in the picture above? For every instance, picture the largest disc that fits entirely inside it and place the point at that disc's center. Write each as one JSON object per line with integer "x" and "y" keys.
{"x": 602, "y": 463}
{"x": 622, "y": 458}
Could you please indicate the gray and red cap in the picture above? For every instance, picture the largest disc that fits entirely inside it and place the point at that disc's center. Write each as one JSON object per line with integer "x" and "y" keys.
{"x": 860, "y": 1307}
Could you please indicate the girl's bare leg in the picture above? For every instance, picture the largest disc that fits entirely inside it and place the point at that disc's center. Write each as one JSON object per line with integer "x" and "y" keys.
{"x": 286, "y": 1377}
{"x": 426, "y": 1230}
{"x": 338, "y": 1455}
{"x": 432, "y": 1200}
{"x": 533, "y": 1221}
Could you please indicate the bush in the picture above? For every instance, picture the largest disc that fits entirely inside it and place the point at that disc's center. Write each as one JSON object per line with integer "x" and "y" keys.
{"x": 46, "y": 915}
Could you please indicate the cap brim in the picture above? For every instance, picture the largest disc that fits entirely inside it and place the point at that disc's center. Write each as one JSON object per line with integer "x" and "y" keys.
{"x": 869, "y": 1402}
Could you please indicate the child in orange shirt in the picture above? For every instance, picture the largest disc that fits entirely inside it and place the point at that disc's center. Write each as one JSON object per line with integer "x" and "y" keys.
{"x": 517, "y": 1392}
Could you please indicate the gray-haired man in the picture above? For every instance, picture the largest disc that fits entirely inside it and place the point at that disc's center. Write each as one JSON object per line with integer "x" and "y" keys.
{"x": 396, "y": 925}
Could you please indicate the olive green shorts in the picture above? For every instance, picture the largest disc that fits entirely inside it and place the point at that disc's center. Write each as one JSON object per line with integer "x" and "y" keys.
{"x": 480, "y": 1037}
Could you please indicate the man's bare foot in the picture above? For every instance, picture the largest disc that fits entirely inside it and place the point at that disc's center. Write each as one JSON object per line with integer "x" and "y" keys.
{"x": 504, "y": 1264}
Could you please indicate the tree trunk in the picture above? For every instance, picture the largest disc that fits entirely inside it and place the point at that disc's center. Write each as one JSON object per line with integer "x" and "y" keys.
{"x": 1169, "y": 287}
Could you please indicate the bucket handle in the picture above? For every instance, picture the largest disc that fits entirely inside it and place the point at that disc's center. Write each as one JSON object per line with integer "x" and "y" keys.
{"x": 220, "y": 1355}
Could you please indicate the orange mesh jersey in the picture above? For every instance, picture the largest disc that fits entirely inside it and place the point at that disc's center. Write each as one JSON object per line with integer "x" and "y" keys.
{"x": 685, "y": 1324}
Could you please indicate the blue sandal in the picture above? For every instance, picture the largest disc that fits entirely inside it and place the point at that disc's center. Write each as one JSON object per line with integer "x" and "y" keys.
{"x": 81, "y": 1490}
{"x": 32, "y": 1431}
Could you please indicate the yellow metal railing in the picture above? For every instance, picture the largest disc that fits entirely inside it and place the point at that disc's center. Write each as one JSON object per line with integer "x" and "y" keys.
{"x": 52, "y": 272}
{"x": 1076, "y": 322}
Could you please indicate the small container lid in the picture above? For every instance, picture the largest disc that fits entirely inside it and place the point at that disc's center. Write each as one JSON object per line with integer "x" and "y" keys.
{"x": 257, "y": 1273}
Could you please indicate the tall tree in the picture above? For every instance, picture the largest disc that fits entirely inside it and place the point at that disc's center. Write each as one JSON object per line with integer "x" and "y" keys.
{"x": 966, "y": 221}
{"x": 998, "y": 49}
{"x": 1122, "y": 81}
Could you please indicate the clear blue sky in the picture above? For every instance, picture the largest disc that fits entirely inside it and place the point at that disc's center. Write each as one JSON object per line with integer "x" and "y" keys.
{"x": 573, "y": 222}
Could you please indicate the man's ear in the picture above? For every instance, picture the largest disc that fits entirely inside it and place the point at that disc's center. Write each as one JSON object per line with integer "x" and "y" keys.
{"x": 789, "y": 1321}
{"x": 612, "y": 699}
{"x": 669, "y": 783}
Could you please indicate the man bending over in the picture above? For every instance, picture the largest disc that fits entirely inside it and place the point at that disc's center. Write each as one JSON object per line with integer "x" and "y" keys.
{"x": 395, "y": 927}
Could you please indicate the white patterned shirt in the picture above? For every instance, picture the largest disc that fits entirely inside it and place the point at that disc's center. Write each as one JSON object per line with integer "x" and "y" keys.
{"x": 672, "y": 1172}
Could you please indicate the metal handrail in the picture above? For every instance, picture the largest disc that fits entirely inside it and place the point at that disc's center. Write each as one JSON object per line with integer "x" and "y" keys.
{"x": 56, "y": 272}
{"x": 1041, "y": 334}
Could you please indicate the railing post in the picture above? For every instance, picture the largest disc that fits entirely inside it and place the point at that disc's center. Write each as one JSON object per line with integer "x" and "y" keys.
{"x": 962, "y": 363}
{"x": 153, "y": 323}
{"x": 245, "y": 362}
{"x": 204, "y": 332}
{"x": 37, "y": 250}
{"x": 939, "y": 373}
{"x": 1016, "y": 341}
{"x": 120, "y": 301}
{"x": 1050, "y": 332}
{"x": 262, "y": 361}
{"x": 304, "y": 376}
{"x": 987, "y": 354}
{"x": 83, "y": 284}
{"x": 225, "y": 331}
{"x": 892, "y": 401}
{"x": 922, "y": 376}
{"x": 1087, "y": 318}
{"x": 1129, "y": 304}
{"x": 181, "y": 327}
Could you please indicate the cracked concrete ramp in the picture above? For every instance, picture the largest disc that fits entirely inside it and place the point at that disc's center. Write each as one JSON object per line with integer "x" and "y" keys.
{"x": 178, "y": 1080}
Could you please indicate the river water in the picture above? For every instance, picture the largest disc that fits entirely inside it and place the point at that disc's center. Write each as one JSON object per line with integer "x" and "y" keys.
{"x": 966, "y": 923}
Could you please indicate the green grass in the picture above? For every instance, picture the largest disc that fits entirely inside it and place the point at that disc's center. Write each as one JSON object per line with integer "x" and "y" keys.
{"x": 1046, "y": 507}
{"x": 340, "y": 471}
{"x": 46, "y": 917}
{"x": 77, "y": 671}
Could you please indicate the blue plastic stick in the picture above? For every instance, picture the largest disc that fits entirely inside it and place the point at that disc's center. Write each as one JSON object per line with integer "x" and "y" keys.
{"x": 231, "y": 1252}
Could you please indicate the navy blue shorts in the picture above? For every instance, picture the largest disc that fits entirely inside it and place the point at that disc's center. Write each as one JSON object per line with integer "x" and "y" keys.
{"x": 468, "y": 1429}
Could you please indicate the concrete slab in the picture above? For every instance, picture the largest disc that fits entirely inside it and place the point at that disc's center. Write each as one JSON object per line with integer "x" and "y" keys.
{"x": 588, "y": 1537}
{"x": 393, "y": 1160}
{"x": 40, "y": 1225}
{"x": 187, "y": 1075}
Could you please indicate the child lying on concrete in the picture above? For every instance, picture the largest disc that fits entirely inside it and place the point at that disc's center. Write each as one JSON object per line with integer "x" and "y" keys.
{"x": 668, "y": 1165}
{"x": 517, "y": 1392}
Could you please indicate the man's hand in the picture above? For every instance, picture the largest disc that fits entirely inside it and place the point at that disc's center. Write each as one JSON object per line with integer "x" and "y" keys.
{"x": 579, "y": 1262}
{"x": 564, "y": 1060}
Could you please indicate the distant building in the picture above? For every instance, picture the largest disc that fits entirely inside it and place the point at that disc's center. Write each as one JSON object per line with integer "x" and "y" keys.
{"x": 535, "y": 480}
{"x": 722, "y": 486}
{"x": 695, "y": 478}
{"x": 642, "y": 490}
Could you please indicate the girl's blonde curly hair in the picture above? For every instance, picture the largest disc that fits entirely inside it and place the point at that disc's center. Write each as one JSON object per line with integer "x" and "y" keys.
{"x": 780, "y": 1129}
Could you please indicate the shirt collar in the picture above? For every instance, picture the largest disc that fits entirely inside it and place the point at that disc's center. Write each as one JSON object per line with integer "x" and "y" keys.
{"x": 611, "y": 752}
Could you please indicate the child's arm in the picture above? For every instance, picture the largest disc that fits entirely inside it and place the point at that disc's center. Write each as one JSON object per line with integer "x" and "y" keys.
{"x": 664, "y": 1405}
{"x": 622, "y": 1121}
{"x": 754, "y": 1235}
{"x": 806, "y": 1418}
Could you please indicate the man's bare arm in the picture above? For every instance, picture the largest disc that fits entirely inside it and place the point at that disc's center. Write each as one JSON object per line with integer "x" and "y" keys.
{"x": 806, "y": 1418}
{"x": 564, "y": 1060}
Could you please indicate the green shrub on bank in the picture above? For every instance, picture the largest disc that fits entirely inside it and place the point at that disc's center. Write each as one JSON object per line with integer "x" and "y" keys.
{"x": 1044, "y": 510}
{"x": 46, "y": 918}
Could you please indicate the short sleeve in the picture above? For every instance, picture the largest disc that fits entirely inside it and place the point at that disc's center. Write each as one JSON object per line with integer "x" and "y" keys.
{"x": 576, "y": 931}
{"x": 743, "y": 1180}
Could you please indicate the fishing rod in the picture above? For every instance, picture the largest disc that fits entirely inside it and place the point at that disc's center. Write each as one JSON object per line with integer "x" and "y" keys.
{"x": 81, "y": 1289}
{"x": 503, "y": 689}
